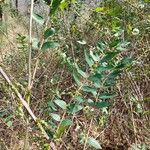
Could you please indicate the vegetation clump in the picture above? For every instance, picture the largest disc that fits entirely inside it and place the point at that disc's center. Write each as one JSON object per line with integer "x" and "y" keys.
{"x": 75, "y": 75}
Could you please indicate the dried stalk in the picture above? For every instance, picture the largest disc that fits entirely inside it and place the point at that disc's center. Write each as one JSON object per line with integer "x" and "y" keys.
{"x": 25, "y": 104}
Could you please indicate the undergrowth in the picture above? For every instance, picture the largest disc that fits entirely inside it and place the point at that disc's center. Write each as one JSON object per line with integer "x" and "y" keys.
{"x": 87, "y": 81}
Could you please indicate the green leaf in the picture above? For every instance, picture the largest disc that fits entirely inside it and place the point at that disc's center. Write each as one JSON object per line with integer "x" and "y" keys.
{"x": 107, "y": 95}
{"x": 92, "y": 142}
{"x": 88, "y": 59}
{"x": 66, "y": 122}
{"x": 49, "y": 32}
{"x": 63, "y": 126}
{"x": 9, "y": 124}
{"x": 82, "y": 73}
{"x": 109, "y": 82}
{"x": 64, "y": 5}
{"x": 54, "y": 6}
{"x": 74, "y": 108}
{"x": 114, "y": 74}
{"x": 62, "y": 104}
{"x": 114, "y": 43}
{"x": 147, "y": 1}
{"x": 101, "y": 68}
{"x": 100, "y": 9}
{"x": 77, "y": 79}
{"x": 99, "y": 104}
{"x": 95, "y": 57}
{"x": 79, "y": 99}
{"x": 51, "y": 106}
{"x": 55, "y": 116}
{"x": 89, "y": 90}
{"x": 48, "y": 45}
{"x": 124, "y": 63}
{"x": 101, "y": 46}
{"x": 8, "y": 118}
{"x": 39, "y": 19}
{"x": 95, "y": 78}
{"x": 122, "y": 46}
{"x": 109, "y": 56}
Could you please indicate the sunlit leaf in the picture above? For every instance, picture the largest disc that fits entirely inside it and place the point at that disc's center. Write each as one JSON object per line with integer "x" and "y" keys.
{"x": 64, "y": 5}
{"x": 82, "y": 73}
{"x": 9, "y": 124}
{"x": 88, "y": 59}
{"x": 122, "y": 46}
{"x": 100, "y": 9}
{"x": 62, "y": 104}
{"x": 55, "y": 116}
{"x": 101, "y": 46}
{"x": 94, "y": 143}
{"x": 94, "y": 56}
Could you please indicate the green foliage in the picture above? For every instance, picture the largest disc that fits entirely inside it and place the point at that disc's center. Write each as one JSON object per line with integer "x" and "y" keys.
{"x": 62, "y": 104}
{"x": 91, "y": 141}
{"x": 107, "y": 95}
{"x": 81, "y": 72}
{"x": 55, "y": 116}
{"x": 96, "y": 49}
{"x": 49, "y": 32}
{"x": 104, "y": 70}
{"x": 54, "y": 6}
{"x": 63, "y": 126}
{"x": 89, "y": 89}
{"x": 22, "y": 40}
{"x": 74, "y": 108}
{"x": 38, "y": 18}
{"x": 49, "y": 45}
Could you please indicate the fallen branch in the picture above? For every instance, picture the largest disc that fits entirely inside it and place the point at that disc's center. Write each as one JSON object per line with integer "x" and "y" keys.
{"x": 25, "y": 104}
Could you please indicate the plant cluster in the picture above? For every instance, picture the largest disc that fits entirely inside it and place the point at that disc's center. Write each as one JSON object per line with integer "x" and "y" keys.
{"x": 79, "y": 84}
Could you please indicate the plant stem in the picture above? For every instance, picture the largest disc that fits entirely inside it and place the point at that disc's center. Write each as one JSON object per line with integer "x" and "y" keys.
{"x": 30, "y": 45}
